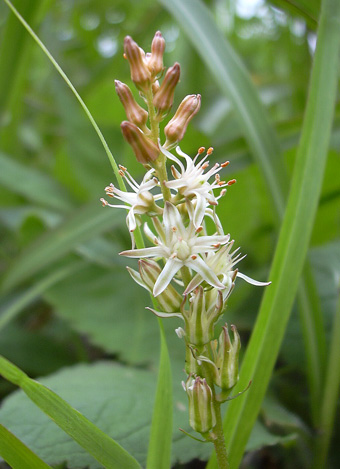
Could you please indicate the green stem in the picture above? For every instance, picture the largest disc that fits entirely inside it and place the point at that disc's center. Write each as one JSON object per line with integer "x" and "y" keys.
{"x": 219, "y": 442}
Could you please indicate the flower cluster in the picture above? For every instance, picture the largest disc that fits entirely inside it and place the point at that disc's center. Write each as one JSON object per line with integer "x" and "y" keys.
{"x": 187, "y": 269}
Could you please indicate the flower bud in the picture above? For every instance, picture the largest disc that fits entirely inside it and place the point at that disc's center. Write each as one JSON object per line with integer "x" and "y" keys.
{"x": 144, "y": 148}
{"x": 169, "y": 300}
{"x": 140, "y": 73}
{"x": 164, "y": 97}
{"x": 155, "y": 62}
{"x": 227, "y": 359}
{"x": 177, "y": 126}
{"x": 135, "y": 113}
{"x": 201, "y": 412}
{"x": 198, "y": 321}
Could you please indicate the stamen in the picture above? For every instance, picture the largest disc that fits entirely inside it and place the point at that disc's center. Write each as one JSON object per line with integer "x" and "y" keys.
{"x": 210, "y": 150}
{"x": 199, "y": 229}
{"x": 232, "y": 181}
{"x": 122, "y": 167}
{"x": 104, "y": 202}
{"x": 121, "y": 173}
{"x": 201, "y": 150}
{"x": 205, "y": 165}
{"x": 225, "y": 164}
{"x": 193, "y": 257}
{"x": 223, "y": 192}
{"x": 217, "y": 245}
{"x": 174, "y": 229}
{"x": 221, "y": 183}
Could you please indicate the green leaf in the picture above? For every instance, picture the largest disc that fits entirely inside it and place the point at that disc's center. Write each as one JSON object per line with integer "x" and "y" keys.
{"x": 109, "y": 307}
{"x": 159, "y": 451}
{"x": 118, "y": 399}
{"x": 16, "y": 453}
{"x": 85, "y": 433}
{"x": 294, "y": 237}
{"x": 79, "y": 227}
{"x": 32, "y": 184}
{"x": 13, "y": 305}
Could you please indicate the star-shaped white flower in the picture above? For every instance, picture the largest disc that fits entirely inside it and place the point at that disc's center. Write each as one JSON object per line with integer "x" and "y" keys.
{"x": 138, "y": 202}
{"x": 222, "y": 263}
{"x": 180, "y": 246}
{"x": 192, "y": 182}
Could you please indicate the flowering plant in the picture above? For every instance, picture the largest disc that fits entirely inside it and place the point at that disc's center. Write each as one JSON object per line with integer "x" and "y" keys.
{"x": 189, "y": 271}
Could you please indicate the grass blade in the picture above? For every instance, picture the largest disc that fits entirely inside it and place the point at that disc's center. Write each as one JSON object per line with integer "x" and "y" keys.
{"x": 159, "y": 451}
{"x": 103, "y": 448}
{"x": 16, "y": 454}
{"x": 294, "y": 237}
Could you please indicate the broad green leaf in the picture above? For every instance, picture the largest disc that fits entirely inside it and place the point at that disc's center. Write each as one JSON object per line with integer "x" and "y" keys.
{"x": 294, "y": 236}
{"x": 159, "y": 450}
{"x": 86, "y": 223}
{"x": 119, "y": 400}
{"x": 109, "y": 308}
{"x": 32, "y": 184}
{"x": 83, "y": 431}
{"x": 16, "y": 453}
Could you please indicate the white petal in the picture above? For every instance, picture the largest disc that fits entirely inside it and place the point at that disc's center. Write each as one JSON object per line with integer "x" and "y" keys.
{"x": 145, "y": 252}
{"x": 199, "y": 266}
{"x": 170, "y": 269}
{"x": 172, "y": 218}
{"x": 172, "y": 157}
{"x": 252, "y": 281}
{"x": 201, "y": 203}
{"x": 165, "y": 315}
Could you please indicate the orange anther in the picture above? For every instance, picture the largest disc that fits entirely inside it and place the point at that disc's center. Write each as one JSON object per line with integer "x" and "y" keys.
{"x": 121, "y": 173}
{"x": 210, "y": 150}
{"x": 225, "y": 164}
{"x": 201, "y": 150}
{"x": 232, "y": 181}
{"x": 193, "y": 257}
{"x": 205, "y": 165}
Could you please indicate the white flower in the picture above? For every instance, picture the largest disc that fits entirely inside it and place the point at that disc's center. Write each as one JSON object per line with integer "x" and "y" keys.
{"x": 180, "y": 247}
{"x": 192, "y": 182}
{"x": 138, "y": 202}
{"x": 222, "y": 263}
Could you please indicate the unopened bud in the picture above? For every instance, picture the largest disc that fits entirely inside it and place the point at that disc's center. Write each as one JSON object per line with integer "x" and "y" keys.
{"x": 200, "y": 320}
{"x": 201, "y": 412}
{"x": 155, "y": 62}
{"x": 134, "y": 112}
{"x": 227, "y": 359}
{"x": 164, "y": 97}
{"x": 177, "y": 126}
{"x": 140, "y": 73}
{"x": 169, "y": 300}
{"x": 144, "y": 148}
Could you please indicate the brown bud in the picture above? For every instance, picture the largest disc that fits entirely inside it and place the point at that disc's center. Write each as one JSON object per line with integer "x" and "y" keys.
{"x": 155, "y": 62}
{"x": 177, "y": 126}
{"x": 134, "y": 112}
{"x": 164, "y": 97}
{"x": 144, "y": 148}
{"x": 140, "y": 73}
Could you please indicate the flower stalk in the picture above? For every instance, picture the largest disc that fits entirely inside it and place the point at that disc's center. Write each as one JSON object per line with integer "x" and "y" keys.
{"x": 189, "y": 271}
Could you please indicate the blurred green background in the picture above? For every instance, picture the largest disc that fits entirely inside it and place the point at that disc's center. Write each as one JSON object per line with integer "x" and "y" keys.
{"x": 68, "y": 300}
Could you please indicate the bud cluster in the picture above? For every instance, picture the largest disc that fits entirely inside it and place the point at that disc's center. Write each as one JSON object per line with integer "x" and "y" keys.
{"x": 189, "y": 271}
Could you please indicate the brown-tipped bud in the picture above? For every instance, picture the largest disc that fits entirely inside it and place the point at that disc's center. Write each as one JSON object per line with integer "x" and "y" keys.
{"x": 144, "y": 149}
{"x": 140, "y": 73}
{"x": 134, "y": 112}
{"x": 177, "y": 126}
{"x": 155, "y": 62}
{"x": 164, "y": 97}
